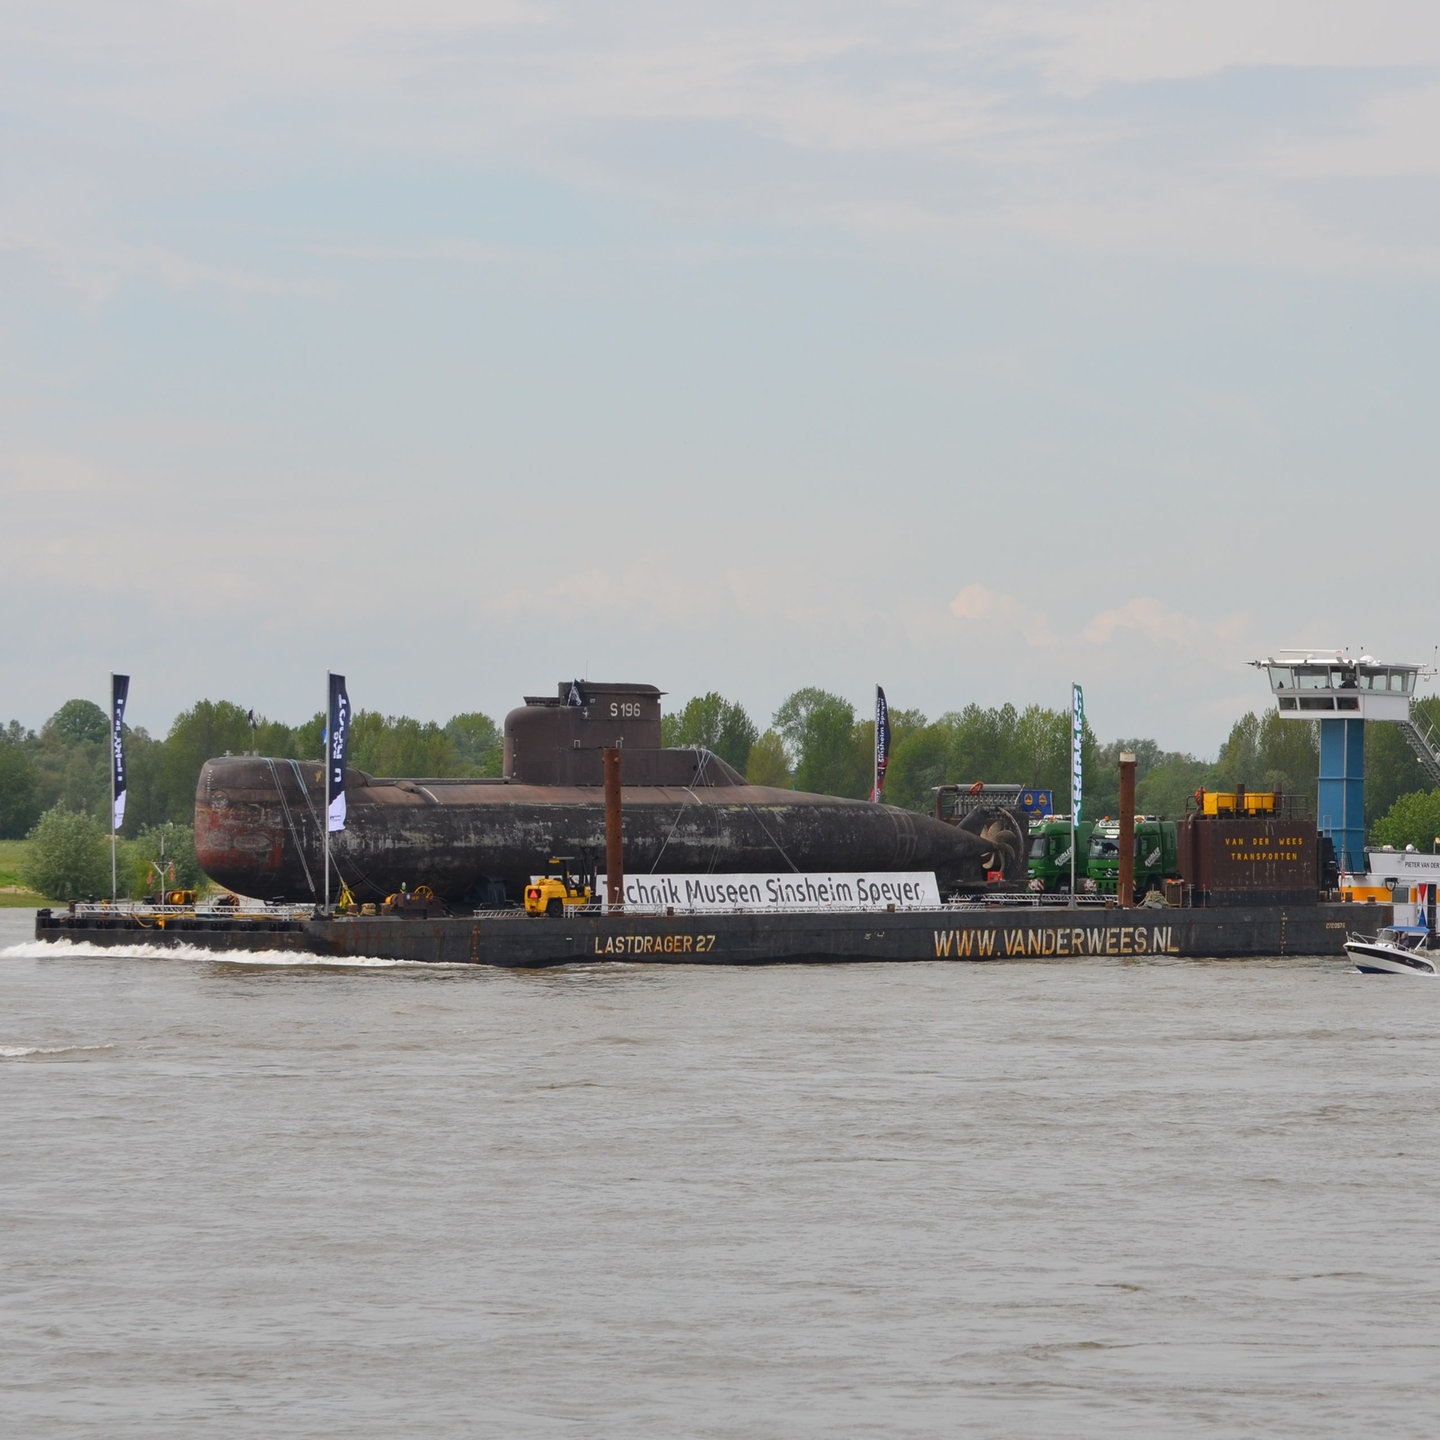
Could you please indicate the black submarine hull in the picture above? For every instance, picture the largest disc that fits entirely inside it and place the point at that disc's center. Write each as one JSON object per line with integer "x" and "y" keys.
{"x": 258, "y": 832}
{"x": 258, "y": 821}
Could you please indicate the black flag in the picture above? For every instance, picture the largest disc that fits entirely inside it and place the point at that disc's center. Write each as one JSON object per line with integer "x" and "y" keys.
{"x": 882, "y": 743}
{"x": 119, "y": 692}
{"x": 337, "y": 746}
{"x": 576, "y": 695}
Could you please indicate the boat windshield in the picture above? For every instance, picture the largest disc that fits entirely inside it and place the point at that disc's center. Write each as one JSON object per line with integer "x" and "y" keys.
{"x": 1403, "y": 938}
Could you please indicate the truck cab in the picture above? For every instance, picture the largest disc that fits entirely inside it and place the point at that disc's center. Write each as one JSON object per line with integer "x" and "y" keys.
{"x": 1048, "y": 858}
{"x": 1157, "y": 855}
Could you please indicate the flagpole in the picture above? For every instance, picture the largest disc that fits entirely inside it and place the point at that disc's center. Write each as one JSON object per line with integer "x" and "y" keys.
{"x": 882, "y": 744}
{"x": 1077, "y": 745}
{"x": 114, "y": 881}
{"x": 119, "y": 695}
{"x": 337, "y": 745}
{"x": 325, "y": 740}
{"x": 875, "y": 783}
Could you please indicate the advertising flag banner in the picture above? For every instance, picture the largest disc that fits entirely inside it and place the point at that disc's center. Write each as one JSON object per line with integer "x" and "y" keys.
{"x": 119, "y": 693}
{"x": 337, "y": 746}
{"x": 882, "y": 743}
{"x": 1077, "y": 736}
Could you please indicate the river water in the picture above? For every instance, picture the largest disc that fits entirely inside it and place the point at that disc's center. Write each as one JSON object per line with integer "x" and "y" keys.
{"x": 1076, "y": 1198}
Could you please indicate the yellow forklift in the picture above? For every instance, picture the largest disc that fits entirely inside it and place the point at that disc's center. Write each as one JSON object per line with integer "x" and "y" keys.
{"x": 557, "y": 893}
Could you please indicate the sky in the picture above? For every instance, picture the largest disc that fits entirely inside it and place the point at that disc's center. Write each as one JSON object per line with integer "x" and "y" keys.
{"x": 466, "y": 347}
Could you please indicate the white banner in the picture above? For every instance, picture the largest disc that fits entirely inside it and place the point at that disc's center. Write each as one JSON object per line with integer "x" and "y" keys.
{"x": 868, "y": 890}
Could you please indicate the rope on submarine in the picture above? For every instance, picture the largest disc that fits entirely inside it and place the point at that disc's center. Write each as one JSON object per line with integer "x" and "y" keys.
{"x": 319, "y": 821}
{"x": 290, "y": 819}
{"x": 713, "y": 811}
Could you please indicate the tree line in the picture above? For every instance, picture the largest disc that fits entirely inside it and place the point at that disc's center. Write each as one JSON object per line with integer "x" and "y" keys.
{"x": 67, "y": 762}
{"x": 815, "y": 741}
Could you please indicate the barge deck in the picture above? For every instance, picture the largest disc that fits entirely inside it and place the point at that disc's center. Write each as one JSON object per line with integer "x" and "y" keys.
{"x": 989, "y": 931}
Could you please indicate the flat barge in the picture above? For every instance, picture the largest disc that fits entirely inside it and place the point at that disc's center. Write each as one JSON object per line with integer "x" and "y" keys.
{"x": 970, "y": 932}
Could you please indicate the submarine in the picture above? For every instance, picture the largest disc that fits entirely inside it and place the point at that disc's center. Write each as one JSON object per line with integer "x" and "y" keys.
{"x": 477, "y": 842}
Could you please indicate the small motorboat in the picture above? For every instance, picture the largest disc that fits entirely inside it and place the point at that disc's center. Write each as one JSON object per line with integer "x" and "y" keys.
{"x": 1396, "y": 950}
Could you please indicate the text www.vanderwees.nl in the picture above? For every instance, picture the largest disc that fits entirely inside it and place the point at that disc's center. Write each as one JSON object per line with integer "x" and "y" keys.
{"x": 1000, "y": 943}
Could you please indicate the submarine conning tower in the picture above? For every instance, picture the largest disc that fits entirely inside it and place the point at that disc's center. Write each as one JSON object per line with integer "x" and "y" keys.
{"x": 561, "y": 740}
{"x": 1342, "y": 694}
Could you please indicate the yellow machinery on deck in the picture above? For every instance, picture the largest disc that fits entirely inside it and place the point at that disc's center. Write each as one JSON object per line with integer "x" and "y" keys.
{"x": 555, "y": 894}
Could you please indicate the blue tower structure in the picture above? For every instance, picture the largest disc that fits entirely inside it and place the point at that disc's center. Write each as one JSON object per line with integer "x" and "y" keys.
{"x": 1340, "y": 791}
{"x": 1342, "y": 694}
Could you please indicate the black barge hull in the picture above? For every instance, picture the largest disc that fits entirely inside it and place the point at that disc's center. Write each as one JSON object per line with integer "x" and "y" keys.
{"x": 990, "y": 933}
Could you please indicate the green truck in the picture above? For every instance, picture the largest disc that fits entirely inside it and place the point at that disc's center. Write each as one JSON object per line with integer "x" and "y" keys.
{"x": 1157, "y": 856}
{"x": 1049, "y": 856}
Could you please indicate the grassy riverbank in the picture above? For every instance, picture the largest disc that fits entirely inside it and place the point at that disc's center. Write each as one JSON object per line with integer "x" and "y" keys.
{"x": 12, "y": 889}
{"x": 14, "y": 894}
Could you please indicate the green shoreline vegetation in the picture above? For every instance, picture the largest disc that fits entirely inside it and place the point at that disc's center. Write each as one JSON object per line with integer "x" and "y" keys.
{"x": 55, "y": 782}
{"x": 13, "y": 890}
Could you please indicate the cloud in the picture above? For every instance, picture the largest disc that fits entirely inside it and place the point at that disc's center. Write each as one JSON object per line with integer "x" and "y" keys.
{"x": 97, "y": 270}
{"x": 1106, "y": 42}
{"x": 988, "y": 607}
{"x": 643, "y": 592}
{"x": 1391, "y": 135}
{"x": 1092, "y": 124}
{"x": 1141, "y": 616}
{"x": 1157, "y": 622}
